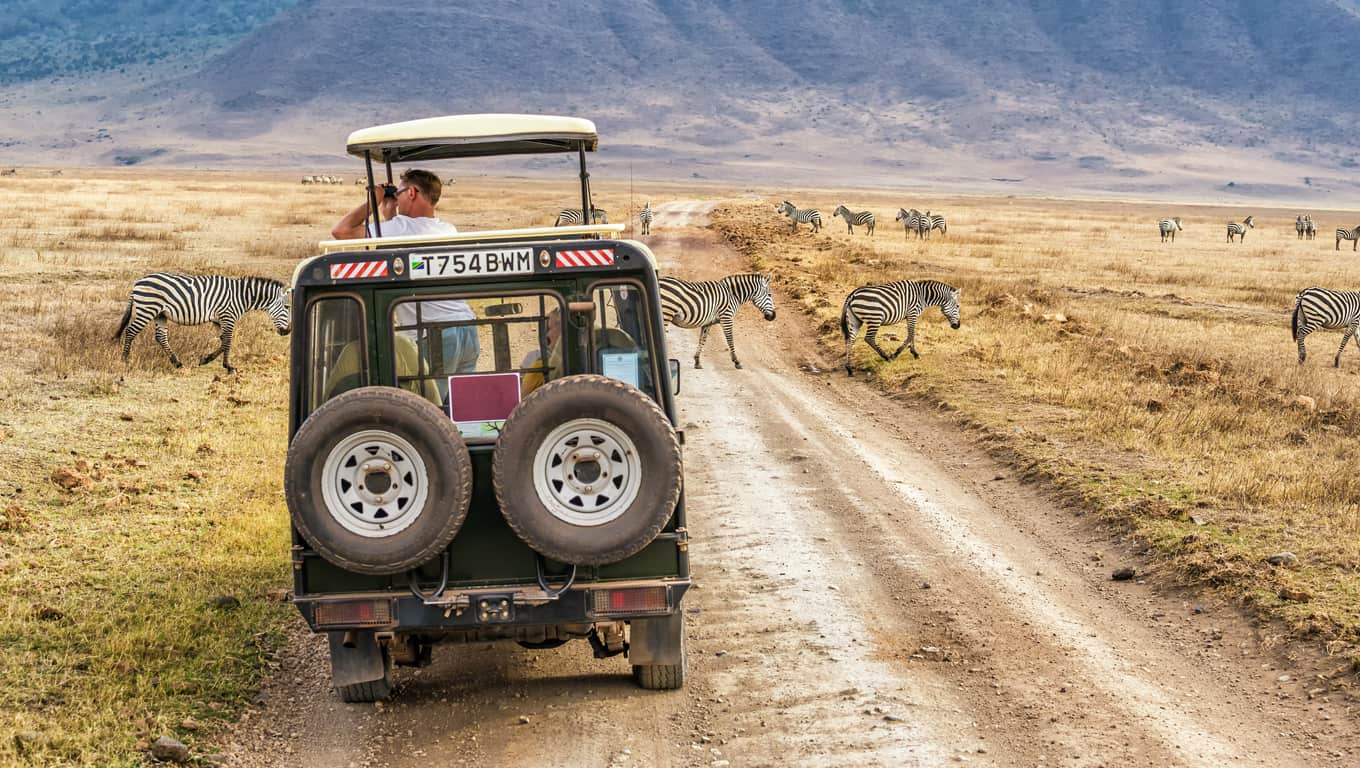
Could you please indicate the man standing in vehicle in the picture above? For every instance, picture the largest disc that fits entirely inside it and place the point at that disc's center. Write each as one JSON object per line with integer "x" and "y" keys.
{"x": 416, "y": 198}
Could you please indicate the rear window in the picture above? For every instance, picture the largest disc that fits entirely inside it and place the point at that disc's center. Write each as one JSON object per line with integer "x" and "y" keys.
{"x": 337, "y": 362}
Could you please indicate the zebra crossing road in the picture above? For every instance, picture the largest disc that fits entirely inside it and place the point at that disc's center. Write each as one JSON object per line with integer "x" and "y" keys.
{"x": 871, "y": 591}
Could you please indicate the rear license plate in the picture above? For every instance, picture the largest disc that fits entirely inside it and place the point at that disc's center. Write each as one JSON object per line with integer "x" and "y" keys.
{"x": 504, "y": 261}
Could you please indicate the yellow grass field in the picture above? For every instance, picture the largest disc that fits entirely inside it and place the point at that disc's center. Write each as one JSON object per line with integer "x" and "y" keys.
{"x": 1157, "y": 383}
{"x": 138, "y": 493}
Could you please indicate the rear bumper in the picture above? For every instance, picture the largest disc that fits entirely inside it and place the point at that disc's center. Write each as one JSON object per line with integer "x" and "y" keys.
{"x": 486, "y": 609}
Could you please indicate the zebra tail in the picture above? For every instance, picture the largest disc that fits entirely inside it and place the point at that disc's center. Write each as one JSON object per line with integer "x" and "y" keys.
{"x": 845, "y": 319}
{"x": 127, "y": 316}
{"x": 1294, "y": 320}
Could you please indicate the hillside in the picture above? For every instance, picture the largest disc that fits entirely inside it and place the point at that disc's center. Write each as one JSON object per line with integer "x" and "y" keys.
{"x": 1223, "y": 97}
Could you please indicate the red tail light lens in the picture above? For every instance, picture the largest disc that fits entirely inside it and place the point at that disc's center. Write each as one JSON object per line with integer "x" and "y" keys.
{"x": 631, "y": 601}
{"x": 354, "y": 613}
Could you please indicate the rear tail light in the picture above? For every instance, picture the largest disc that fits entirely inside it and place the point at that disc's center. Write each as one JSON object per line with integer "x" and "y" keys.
{"x": 354, "y": 613}
{"x": 630, "y": 601}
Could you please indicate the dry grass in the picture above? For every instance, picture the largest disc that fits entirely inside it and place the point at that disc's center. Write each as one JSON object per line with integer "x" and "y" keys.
{"x": 1167, "y": 398}
{"x": 107, "y": 636}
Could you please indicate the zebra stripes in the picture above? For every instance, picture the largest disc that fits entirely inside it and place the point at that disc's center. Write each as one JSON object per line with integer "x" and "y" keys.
{"x": 1170, "y": 227}
{"x": 1300, "y": 227}
{"x": 571, "y": 217}
{"x": 874, "y": 306}
{"x": 913, "y": 221}
{"x": 937, "y": 222}
{"x": 645, "y": 216}
{"x": 701, "y": 305}
{"x": 1308, "y": 228}
{"x": 1316, "y": 308}
{"x": 1240, "y": 230}
{"x": 198, "y": 299}
{"x": 800, "y": 216}
{"x": 1352, "y": 235}
{"x": 863, "y": 218}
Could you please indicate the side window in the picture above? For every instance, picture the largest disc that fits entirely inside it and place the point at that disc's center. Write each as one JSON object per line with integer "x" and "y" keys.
{"x": 619, "y": 337}
{"x": 477, "y": 357}
{"x": 337, "y": 361}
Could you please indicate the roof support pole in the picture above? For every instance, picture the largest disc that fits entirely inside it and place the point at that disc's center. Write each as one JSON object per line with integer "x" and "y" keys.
{"x": 373, "y": 193}
{"x": 586, "y": 207}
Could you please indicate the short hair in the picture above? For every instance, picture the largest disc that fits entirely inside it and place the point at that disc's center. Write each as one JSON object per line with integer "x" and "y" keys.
{"x": 429, "y": 184}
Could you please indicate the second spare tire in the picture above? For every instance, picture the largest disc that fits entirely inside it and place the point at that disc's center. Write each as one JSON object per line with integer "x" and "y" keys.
{"x": 587, "y": 470}
{"x": 378, "y": 480}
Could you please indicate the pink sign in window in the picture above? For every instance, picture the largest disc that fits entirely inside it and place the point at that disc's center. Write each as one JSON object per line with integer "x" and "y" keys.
{"x": 479, "y": 403}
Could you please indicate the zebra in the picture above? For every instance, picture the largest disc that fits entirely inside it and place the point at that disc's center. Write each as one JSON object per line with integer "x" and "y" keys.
{"x": 874, "y": 306}
{"x": 913, "y": 220}
{"x": 937, "y": 222}
{"x": 645, "y": 216}
{"x": 1300, "y": 227}
{"x": 866, "y": 218}
{"x": 1316, "y": 308}
{"x": 701, "y": 305}
{"x": 1309, "y": 229}
{"x": 805, "y": 216}
{"x": 1240, "y": 229}
{"x": 1352, "y": 235}
{"x": 197, "y": 299}
{"x": 571, "y": 217}
{"x": 1170, "y": 227}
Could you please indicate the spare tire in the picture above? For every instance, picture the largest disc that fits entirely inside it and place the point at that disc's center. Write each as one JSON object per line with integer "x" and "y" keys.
{"x": 587, "y": 470}
{"x": 378, "y": 480}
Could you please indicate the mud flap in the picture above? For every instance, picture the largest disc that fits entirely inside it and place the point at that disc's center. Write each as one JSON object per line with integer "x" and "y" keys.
{"x": 361, "y": 664}
{"x": 656, "y": 642}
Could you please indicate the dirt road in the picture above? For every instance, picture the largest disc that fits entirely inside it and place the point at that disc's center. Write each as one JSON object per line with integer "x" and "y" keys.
{"x": 871, "y": 591}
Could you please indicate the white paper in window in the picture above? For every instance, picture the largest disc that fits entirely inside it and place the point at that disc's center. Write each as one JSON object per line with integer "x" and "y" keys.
{"x": 620, "y": 365}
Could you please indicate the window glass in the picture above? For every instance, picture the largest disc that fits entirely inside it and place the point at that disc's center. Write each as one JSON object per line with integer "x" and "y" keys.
{"x": 619, "y": 336}
{"x": 338, "y": 362}
{"x": 477, "y": 357}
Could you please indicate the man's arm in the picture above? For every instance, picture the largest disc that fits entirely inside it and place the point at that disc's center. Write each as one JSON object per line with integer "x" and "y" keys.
{"x": 352, "y": 226}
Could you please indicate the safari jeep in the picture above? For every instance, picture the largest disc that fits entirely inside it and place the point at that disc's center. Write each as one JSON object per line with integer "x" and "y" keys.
{"x": 533, "y": 497}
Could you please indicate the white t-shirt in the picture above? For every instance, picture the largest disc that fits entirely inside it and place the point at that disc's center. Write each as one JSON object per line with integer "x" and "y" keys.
{"x": 403, "y": 226}
{"x": 430, "y": 311}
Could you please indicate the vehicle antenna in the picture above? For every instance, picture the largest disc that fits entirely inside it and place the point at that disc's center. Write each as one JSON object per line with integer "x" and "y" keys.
{"x": 630, "y": 198}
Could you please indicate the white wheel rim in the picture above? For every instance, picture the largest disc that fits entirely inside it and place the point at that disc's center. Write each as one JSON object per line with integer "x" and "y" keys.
{"x": 587, "y": 472}
{"x": 374, "y": 484}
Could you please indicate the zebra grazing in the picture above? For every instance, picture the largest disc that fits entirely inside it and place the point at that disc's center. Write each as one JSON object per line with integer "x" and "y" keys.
{"x": 198, "y": 299}
{"x": 571, "y": 217}
{"x": 874, "y": 306}
{"x": 1316, "y": 308}
{"x": 1170, "y": 227}
{"x": 865, "y": 218}
{"x": 937, "y": 222}
{"x": 913, "y": 221}
{"x": 1309, "y": 229}
{"x": 645, "y": 216}
{"x": 1240, "y": 229}
{"x": 1299, "y": 227}
{"x": 701, "y": 305}
{"x": 800, "y": 216}
{"x": 1352, "y": 235}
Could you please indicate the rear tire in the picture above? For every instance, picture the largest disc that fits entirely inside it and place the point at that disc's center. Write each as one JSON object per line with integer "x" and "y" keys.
{"x": 373, "y": 690}
{"x": 663, "y": 677}
{"x": 587, "y": 470}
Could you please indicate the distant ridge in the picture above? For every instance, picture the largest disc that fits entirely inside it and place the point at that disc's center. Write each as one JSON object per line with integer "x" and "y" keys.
{"x": 1132, "y": 96}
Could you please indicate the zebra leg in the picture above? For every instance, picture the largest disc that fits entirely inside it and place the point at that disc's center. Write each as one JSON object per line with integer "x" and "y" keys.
{"x": 703, "y": 335}
{"x": 135, "y": 325}
{"x": 871, "y": 336}
{"x": 1345, "y": 337}
{"x": 851, "y": 332}
{"x": 731, "y": 348}
{"x": 1303, "y": 353}
{"x": 163, "y": 338}
{"x": 910, "y": 343}
{"x": 208, "y": 358}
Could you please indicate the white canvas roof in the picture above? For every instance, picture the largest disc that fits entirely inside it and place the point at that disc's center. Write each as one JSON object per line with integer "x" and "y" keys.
{"x": 436, "y": 138}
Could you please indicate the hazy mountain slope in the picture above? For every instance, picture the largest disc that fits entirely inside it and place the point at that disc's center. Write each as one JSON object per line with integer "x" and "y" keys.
{"x": 1134, "y": 94}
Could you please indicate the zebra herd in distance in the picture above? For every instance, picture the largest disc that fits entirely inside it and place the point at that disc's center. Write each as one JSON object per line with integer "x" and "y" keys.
{"x": 912, "y": 220}
{"x": 1303, "y": 228}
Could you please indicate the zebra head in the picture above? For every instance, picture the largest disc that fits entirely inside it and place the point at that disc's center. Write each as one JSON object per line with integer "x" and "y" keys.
{"x": 1249, "y": 223}
{"x": 950, "y": 306}
{"x": 279, "y": 307}
{"x": 1177, "y": 222}
{"x": 901, "y": 214}
{"x": 752, "y": 288}
{"x": 840, "y": 210}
